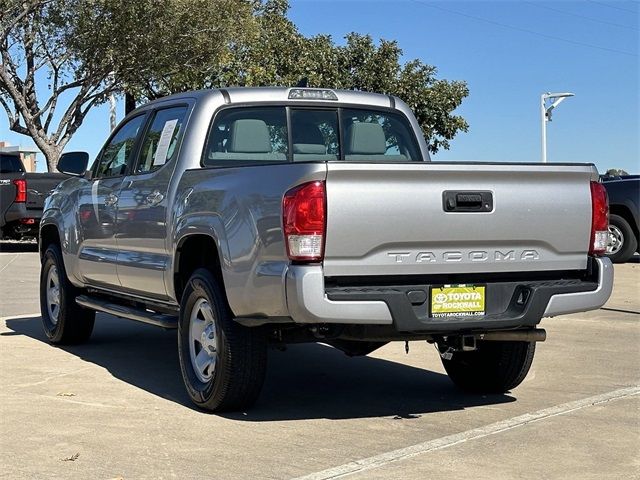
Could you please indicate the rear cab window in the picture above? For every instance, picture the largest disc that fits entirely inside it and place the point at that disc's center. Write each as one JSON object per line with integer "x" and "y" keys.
{"x": 257, "y": 135}
{"x": 10, "y": 164}
{"x": 249, "y": 135}
{"x": 374, "y": 136}
{"x": 314, "y": 135}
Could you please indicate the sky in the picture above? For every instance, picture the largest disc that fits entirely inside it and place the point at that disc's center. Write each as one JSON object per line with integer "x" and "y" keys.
{"x": 509, "y": 53}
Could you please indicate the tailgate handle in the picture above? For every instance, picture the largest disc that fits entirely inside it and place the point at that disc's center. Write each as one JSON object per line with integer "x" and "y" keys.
{"x": 457, "y": 201}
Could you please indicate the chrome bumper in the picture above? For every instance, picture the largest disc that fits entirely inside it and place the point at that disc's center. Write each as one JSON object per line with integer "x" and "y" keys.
{"x": 563, "y": 304}
{"x": 308, "y": 303}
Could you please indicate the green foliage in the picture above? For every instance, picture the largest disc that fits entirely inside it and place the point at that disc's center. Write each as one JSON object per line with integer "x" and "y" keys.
{"x": 616, "y": 172}
{"x": 276, "y": 53}
{"x": 151, "y": 48}
{"x": 90, "y": 49}
{"x": 158, "y": 47}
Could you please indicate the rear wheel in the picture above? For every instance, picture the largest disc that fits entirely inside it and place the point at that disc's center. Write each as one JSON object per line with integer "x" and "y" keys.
{"x": 63, "y": 320}
{"x": 223, "y": 363}
{"x": 495, "y": 367}
{"x": 622, "y": 241}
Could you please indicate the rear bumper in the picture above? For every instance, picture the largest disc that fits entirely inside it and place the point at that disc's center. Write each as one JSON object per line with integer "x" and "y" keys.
{"x": 406, "y": 307}
{"x": 19, "y": 221}
{"x": 583, "y": 301}
{"x": 15, "y": 212}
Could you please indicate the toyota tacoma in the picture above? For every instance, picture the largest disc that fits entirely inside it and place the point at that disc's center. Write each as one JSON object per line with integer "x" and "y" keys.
{"x": 254, "y": 216}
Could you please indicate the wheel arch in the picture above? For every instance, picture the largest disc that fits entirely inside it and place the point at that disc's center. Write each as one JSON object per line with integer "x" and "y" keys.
{"x": 193, "y": 251}
{"x": 49, "y": 235}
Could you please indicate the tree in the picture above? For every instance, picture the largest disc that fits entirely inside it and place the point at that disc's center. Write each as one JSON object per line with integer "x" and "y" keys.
{"x": 277, "y": 54}
{"x": 178, "y": 45}
{"x": 85, "y": 50}
{"x": 616, "y": 172}
{"x": 32, "y": 46}
{"x": 271, "y": 51}
{"x": 89, "y": 49}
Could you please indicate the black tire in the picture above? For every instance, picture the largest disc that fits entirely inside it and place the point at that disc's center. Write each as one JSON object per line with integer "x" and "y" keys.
{"x": 495, "y": 367}
{"x": 623, "y": 232}
{"x": 69, "y": 323}
{"x": 241, "y": 352}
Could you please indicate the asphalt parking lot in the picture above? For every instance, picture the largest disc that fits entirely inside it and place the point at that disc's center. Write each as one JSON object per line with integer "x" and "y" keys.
{"x": 115, "y": 408}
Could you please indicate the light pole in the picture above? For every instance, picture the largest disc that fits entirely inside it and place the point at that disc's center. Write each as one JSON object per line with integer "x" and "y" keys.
{"x": 545, "y": 115}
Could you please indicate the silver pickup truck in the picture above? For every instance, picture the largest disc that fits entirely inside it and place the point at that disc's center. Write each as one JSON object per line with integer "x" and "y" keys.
{"x": 253, "y": 216}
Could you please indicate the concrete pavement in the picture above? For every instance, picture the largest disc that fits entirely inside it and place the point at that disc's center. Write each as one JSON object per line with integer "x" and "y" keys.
{"x": 116, "y": 408}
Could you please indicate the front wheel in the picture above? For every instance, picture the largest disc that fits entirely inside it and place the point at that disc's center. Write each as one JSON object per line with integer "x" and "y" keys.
{"x": 223, "y": 364}
{"x": 64, "y": 321}
{"x": 495, "y": 367}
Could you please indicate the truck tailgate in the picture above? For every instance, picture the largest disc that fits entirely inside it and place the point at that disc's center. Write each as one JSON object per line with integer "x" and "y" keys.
{"x": 7, "y": 194}
{"x": 39, "y": 186}
{"x": 390, "y": 219}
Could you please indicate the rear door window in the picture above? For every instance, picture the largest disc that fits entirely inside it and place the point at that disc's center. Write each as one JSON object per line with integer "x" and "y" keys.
{"x": 247, "y": 136}
{"x": 375, "y": 136}
{"x": 160, "y": 142}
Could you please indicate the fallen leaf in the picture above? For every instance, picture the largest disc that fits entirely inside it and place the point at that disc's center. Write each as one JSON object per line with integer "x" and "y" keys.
{"x": 72, "y": 458}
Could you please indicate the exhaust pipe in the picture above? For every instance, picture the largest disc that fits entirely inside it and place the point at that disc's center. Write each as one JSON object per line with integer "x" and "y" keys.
{"x": 534, "y": 335}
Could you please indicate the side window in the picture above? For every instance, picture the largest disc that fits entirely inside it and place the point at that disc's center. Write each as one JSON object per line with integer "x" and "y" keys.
{"x": 314, "y": 135}
{"x": 118, "y": 151}
{"x": 246, "y": 136}
{"x": 373, "y": 135}
{"x": 161, "y": 140}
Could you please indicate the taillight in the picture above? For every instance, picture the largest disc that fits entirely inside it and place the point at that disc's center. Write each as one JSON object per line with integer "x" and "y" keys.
{"x": 304, "y": 219}
{"x": 21, "y": 190}
{"x": 599, "y": 219}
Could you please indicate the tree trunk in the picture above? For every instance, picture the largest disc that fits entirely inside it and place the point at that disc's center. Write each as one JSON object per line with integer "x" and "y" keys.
{"x": 51, "y": 155}
{"x": 129, "y": 103}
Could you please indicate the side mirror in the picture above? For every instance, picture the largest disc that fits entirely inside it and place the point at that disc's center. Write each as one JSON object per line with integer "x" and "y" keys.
{"x": 73, "y": 163}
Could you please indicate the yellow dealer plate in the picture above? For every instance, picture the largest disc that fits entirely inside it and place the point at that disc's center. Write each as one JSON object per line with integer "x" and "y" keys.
{"x": 457, "y": 300}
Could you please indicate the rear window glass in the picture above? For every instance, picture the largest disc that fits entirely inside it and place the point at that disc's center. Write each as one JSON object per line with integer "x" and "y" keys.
{"x": 10, "y": 164}
{"x": 254, "y": 135}
{"x": 371, "y": 136}
{"x": 248, "y": 135}
{"x": 314, "y": 135}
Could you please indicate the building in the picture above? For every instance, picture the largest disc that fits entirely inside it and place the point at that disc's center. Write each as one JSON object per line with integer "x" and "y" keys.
{"x": 27, "y": 155}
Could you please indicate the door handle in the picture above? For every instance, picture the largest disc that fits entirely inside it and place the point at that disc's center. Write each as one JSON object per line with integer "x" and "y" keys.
{"x": 110, "y": 200}
{"x": 155, "y": 198}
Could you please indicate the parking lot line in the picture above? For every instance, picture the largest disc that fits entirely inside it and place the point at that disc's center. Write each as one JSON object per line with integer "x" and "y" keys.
{"x": 382, "y": 459}
{"x": 9, "y": 263}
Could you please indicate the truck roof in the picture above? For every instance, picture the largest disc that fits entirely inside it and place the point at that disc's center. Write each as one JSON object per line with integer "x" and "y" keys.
{"x": 281, "y": 94}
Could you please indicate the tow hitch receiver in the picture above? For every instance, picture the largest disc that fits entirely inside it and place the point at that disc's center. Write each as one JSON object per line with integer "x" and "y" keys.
{"x": 467, "y": 343}
{"x": 460, "y": 343}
